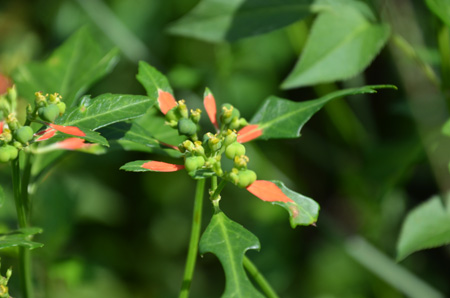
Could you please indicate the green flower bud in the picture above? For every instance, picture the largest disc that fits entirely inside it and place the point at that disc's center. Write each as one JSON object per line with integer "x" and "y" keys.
{"x": 173, "y": 115}
{"x": 192, "y": 163}
{"x": 186, "y": 127}
{"x": 182, "y": 109}
{"x": 195, "y": 115}
{"x": 24, "y": 134}
{"x": 12, "y": 94}
{"x": 234, "y": 124}
{"x": 12, "y": 121}
{"x": 230, "y": 137}
{"x": 240, "y": 161}
{"x": 229, "y": 113}
{"x": 235, "y": 149}
{"x": 62, "y": 108}
{"x": 246, "y": 177}
{"x": 214, "y": 143}
{"x": 4, "y": 154}
{"x": 49, "y": 113}
{"x": 54, "y": 98}
{"x": 40, "y": 99}
{"x": 7, "y": 135}
{"x": 12, "y": 151}
{"x": 5, "y": 107}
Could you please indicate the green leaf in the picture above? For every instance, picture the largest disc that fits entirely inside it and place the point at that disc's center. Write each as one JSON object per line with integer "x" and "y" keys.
{"x": 303, "y": 211}
{"x": 441, "y": 8}
{"x": 103, "y": 110}
{"x": 219, "y": 20}
{"x": 229, "y": 241}
{"x": 20, "y": 238}
{"x": 70, "y": 70}
{"x": 135, "y": 166}
{"x": 341, "y": 44}
{"x": 282, "y": 118}
{"x": 426, "y": 226}
{"x": 127, "y": 134}
{"x": 152, "y": 80}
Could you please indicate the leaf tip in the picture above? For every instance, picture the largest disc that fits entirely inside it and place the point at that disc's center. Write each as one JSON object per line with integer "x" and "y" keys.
{"x": 166, "y": 101}
{"x": 249, "y": 132}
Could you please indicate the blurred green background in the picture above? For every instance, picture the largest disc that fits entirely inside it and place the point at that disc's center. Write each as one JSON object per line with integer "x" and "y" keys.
{"x": 109, "y": 233}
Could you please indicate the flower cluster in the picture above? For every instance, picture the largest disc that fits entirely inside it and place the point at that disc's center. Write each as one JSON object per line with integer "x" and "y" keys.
{"x": 14, "y": 136}
{"x": 203, "y": 155}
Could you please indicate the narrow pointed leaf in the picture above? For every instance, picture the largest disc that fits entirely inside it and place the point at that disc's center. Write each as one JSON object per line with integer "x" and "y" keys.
{"x": 20, "y": 238}
{"x": 282, "y": 118}
{"x": 248, "y": 133}
{"x": 151, "y": 166}
{"x": 166, "y": 101}
{"x": 426, "y": 226}
{"x": 106, "y": 109}
{"x": 70, "y": 70}
{"x": 441, "y": 8}
{"x": 302, "y": 210}
{"x": 229, "y": 241}
{"x": 219, "y": 20}
{"x": 152, "y": 80}
{"x": 340, "y": 53}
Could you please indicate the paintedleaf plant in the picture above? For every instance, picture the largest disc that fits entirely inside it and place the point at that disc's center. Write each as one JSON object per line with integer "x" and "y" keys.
{"x": 220, "y": 157}
{"x": 55, "y": 122}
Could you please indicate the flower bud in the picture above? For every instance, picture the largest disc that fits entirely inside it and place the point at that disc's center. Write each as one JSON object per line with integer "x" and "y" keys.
{"x": 12, "y": 121}
{"x": 12, "y": 94}
{"x": 23, "y": 134}
{"x": 49, "y": 113}
{"x": 186, "y": 127}
{"x": 230, "y": 137}
{"x": 235, "y": 149}
{"x": 246, "y": 177}
{"x": 40, "y": 99}
{"x": 182, "y": 109}
{"x": 195, "y": 115}
{"x": 192, "y": 163}
{"x": 241, "y": 161}
{"x": 54, "y": 98}
{"x": 62, "y": 108}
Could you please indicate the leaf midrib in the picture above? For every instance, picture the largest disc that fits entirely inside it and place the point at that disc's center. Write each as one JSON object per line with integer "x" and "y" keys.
{"x": 107, "y": 112}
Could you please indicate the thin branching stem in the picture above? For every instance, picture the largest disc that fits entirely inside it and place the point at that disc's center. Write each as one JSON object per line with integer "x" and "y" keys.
{"x": 193, "y": 242}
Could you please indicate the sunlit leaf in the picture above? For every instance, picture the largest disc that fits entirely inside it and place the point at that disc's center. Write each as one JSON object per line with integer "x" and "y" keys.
{"x": 302, "y": 210}
{"x": 20, "y": 238}
{"x": 441, "y": 8}
{"x": 106, "y": 109}
{"x": 70, "y": 70}
{"x": 152, "y": 80}
{"x": 218, "y": 20}
{"x": 282, "y": 118}
{"x": 341, "y": 44}
{"x": 229, "y": 241}
{"x": 426, "y": 226}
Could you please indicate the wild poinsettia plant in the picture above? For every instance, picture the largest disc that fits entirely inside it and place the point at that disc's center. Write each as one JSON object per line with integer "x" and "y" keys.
{"x": 220, "y": 156}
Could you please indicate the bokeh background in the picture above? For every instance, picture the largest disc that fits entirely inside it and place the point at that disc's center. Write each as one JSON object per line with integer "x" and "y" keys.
{"x": 109, "y": 233}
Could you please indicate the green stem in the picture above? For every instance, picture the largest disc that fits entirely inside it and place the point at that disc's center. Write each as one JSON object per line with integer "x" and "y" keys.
{"x": 24, "y": 253}
{"x": 193, "y": 242}
{"x": 260, "y": 280}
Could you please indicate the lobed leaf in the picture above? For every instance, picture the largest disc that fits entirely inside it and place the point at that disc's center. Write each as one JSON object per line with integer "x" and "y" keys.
{"x": 106, "y": 109}
{"x": 219, "y": 20}
{"x": 229, "y": 241}
{"x": 70, "y": 70}
{"x": 20, "y": 238}
{"x": 426, "y": 226}
{"x": 340, "y": 53}
{"x": 282, "y": 118}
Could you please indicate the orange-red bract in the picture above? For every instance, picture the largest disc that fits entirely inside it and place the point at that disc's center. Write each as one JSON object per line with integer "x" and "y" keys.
{"x": 268, "y": 191}
{"x": 45, "y": 134}
{"x": 248, "y": 133}
{"x": 72, "y": 144}
{"x": 159, "y": 166}
{"x": 210, "y": 106}
{"x": 166, "y": 101}
{"x": 70, "y": 130}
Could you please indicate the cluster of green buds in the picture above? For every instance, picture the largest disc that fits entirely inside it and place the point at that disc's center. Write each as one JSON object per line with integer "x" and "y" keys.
{"x": 13, "y": 135}
{"x": 46, "y": 107}
{"x": 4, "y": 284}
{"x": 206, "y": 155}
